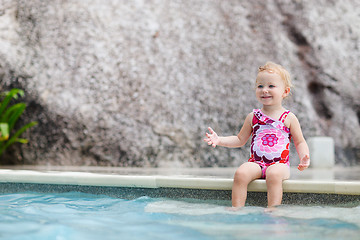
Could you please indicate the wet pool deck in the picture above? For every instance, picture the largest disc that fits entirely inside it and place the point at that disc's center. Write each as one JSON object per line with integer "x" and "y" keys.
{"x": 338, "y": 180}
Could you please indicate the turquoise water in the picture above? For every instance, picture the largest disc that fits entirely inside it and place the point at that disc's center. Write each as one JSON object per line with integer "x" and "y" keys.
{"x": 85, "y": 216}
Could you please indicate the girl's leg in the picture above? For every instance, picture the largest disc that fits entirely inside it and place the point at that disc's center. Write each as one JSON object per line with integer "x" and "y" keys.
{"x": 275, "y": 175}
{"x": 246, "y": 173}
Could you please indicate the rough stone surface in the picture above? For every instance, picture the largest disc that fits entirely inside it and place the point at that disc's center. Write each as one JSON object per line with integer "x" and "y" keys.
{"x": 136, "y": 83}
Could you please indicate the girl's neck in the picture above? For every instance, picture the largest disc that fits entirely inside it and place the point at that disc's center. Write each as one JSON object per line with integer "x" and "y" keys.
{"x": 273, "y": 111}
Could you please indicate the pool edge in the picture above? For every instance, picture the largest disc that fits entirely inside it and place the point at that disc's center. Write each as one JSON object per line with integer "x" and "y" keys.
{"x": 177, "y": 182}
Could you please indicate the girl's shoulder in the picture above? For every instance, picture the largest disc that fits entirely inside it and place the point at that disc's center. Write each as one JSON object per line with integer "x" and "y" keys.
{"x": 291, "y": 115}
{"x": 290, "y": 119}
{"x": 249, "y": 118}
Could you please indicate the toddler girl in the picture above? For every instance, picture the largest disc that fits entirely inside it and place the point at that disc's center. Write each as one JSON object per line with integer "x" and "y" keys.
{"x": 271, "y": 128}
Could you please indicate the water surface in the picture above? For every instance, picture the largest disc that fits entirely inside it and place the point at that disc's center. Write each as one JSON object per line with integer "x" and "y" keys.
{"x": 85, "y": 216}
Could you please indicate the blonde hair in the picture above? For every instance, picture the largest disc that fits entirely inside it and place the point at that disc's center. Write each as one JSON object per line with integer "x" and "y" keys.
{"x": 276, "y": 68}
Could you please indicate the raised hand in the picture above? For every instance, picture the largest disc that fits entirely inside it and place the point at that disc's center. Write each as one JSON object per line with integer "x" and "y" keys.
{"x": 304, "y": 163}
{"x": 212, "y": 139}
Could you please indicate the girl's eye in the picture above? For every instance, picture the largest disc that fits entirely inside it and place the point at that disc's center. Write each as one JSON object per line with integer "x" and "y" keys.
{"x": 260, "y": 86}
{"x": 271, "y": 86}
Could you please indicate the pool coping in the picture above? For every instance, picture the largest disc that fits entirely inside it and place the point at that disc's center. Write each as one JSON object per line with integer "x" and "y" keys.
{"x": 177, "y": 182}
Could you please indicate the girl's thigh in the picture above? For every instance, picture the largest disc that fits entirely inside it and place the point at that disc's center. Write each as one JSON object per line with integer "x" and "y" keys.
{"x": 279, "y": 170}
{"x": 249, "y": 170}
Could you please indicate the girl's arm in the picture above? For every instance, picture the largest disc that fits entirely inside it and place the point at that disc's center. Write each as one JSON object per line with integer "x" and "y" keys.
{"x": 299, "y": 141}
{"x": 231, "y": 141}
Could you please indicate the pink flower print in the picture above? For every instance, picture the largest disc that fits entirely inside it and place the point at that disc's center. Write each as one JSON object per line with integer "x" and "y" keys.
{"x": 269, "y": 139}
{"x": 269, "y": 121}
{"x": 270, "y": 142}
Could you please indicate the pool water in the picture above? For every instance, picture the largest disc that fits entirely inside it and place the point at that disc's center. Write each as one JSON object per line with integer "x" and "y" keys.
{"x": 85, "y": 216}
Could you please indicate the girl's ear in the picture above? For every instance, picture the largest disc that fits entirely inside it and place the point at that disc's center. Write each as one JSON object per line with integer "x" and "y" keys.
{"x": 286, "y": 92}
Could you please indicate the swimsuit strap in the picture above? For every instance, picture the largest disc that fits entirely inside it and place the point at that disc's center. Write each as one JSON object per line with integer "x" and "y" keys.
{"x": 283, "y": 116}
{"x": 257, "y": 116}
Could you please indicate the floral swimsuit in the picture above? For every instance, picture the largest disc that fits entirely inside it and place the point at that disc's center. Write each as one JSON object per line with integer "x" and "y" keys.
{"x": 270, "y": 141}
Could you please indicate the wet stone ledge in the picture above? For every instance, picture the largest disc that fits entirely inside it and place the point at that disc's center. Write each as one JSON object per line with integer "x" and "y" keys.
{"x": 222, "y": 197}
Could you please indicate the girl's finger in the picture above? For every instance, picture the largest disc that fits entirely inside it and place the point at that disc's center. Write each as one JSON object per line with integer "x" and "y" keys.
{"x": 210, "y": 130}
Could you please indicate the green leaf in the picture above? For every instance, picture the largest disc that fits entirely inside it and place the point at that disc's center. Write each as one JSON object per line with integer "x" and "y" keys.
{"x": 9, "y": 115}
{"x": 4, "y": 129}
{"x": 22, "y": 140}
{"x": 12, "y": 114}
{"x": 14, "y": 138}
{"x": 20, "y": 107}
{"x": 8, "y": 96}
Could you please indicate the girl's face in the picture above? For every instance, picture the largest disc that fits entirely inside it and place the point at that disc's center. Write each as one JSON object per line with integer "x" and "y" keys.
{"x": 270, "y": 88}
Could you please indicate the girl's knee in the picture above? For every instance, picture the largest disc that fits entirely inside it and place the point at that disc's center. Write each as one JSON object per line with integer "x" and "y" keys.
{"x": 239, "y": 175}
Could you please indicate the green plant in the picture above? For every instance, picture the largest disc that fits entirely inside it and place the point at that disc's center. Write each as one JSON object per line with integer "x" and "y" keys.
{"x": 8, "y": 117}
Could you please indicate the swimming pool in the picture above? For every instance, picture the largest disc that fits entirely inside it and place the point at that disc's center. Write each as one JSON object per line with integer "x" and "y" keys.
{"x": 75, "y": 215}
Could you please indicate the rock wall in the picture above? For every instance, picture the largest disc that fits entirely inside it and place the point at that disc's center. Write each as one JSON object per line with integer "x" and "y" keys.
{"x": 137, "y": 83}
